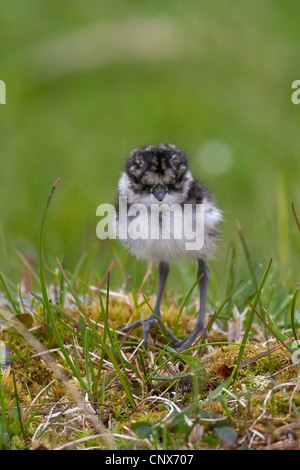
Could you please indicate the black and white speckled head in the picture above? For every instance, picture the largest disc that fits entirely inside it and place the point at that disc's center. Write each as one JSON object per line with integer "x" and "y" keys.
{"x": 156, "y": 173}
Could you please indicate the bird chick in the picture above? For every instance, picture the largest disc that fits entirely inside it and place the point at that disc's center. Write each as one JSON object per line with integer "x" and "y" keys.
{"x": 168, "y": 207}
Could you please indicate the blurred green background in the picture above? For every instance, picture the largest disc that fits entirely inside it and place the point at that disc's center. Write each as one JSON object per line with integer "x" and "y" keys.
{"x": 88, "y": 81}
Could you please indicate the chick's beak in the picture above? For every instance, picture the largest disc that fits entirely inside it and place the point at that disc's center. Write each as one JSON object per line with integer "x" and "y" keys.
{"x": 159, "y": 192}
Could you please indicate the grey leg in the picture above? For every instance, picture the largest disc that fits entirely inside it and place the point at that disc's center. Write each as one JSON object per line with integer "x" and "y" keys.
{"x": 203, "y": 271}
{"x": 163, "y": 271}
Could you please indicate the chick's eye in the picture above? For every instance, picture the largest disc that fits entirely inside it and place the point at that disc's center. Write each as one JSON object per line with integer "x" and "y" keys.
{"x": 135, "y": 179}
{"x": 147, "y": 187}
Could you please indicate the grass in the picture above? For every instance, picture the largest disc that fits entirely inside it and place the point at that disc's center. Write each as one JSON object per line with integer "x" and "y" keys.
{"x": 216, "y": 81}
{"x": 73, "y": 382}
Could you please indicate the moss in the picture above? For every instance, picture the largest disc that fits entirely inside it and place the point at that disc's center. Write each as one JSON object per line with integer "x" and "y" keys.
{"x": 251, "y": 384}
{"x": 279, "y": 403}
{"x": 271, "y": 363}
{"x": 265, "y": 366}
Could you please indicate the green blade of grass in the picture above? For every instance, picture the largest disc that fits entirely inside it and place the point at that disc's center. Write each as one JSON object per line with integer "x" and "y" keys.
{"x": 159, "y": 319}
{"x": 86, "y": 357}
{"x": 247, "y": 254}
{"x": 278, "y": 335}
{"x": 124, "y": 363}
{"x": 8, "y": 294}
{"x": 250, "y": 320}
{"x": 160, "y": 355}
{"x": 184, "y": 303}
{"x": 61, "y": 286}
{"x": 46, "y": 302}
{"x": 293, "y": 304}
{"x": 256, "y": 301}
{"x": 41, "y": 249}
{"x": 272, "y": 327}
{"x": 295, "y": 216}
{"x": 227, "y": 300}
{"x": 113, "y": 352}
{"x": 74, "y": 294}
{"x": 219, "y": 390}
{"x": 110, "y": 352}
{"x": 230, "y": 276}
{"x": 124, "y": 381}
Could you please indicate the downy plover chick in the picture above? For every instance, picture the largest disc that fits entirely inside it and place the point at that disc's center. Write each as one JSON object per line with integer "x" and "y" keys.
{"x": 169, "y": 215}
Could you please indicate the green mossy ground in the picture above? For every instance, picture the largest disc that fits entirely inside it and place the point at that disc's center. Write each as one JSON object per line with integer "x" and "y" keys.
{"x": 249, "y": 408}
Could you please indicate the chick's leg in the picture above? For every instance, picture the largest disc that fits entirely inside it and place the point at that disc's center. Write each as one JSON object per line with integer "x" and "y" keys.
{"x": 148, "y": 323}
{"x": 203, "y": 271}
{"x": 163, "y": 272}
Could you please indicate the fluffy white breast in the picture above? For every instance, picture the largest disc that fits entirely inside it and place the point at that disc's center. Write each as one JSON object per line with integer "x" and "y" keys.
{"x": 149, "y": 237}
